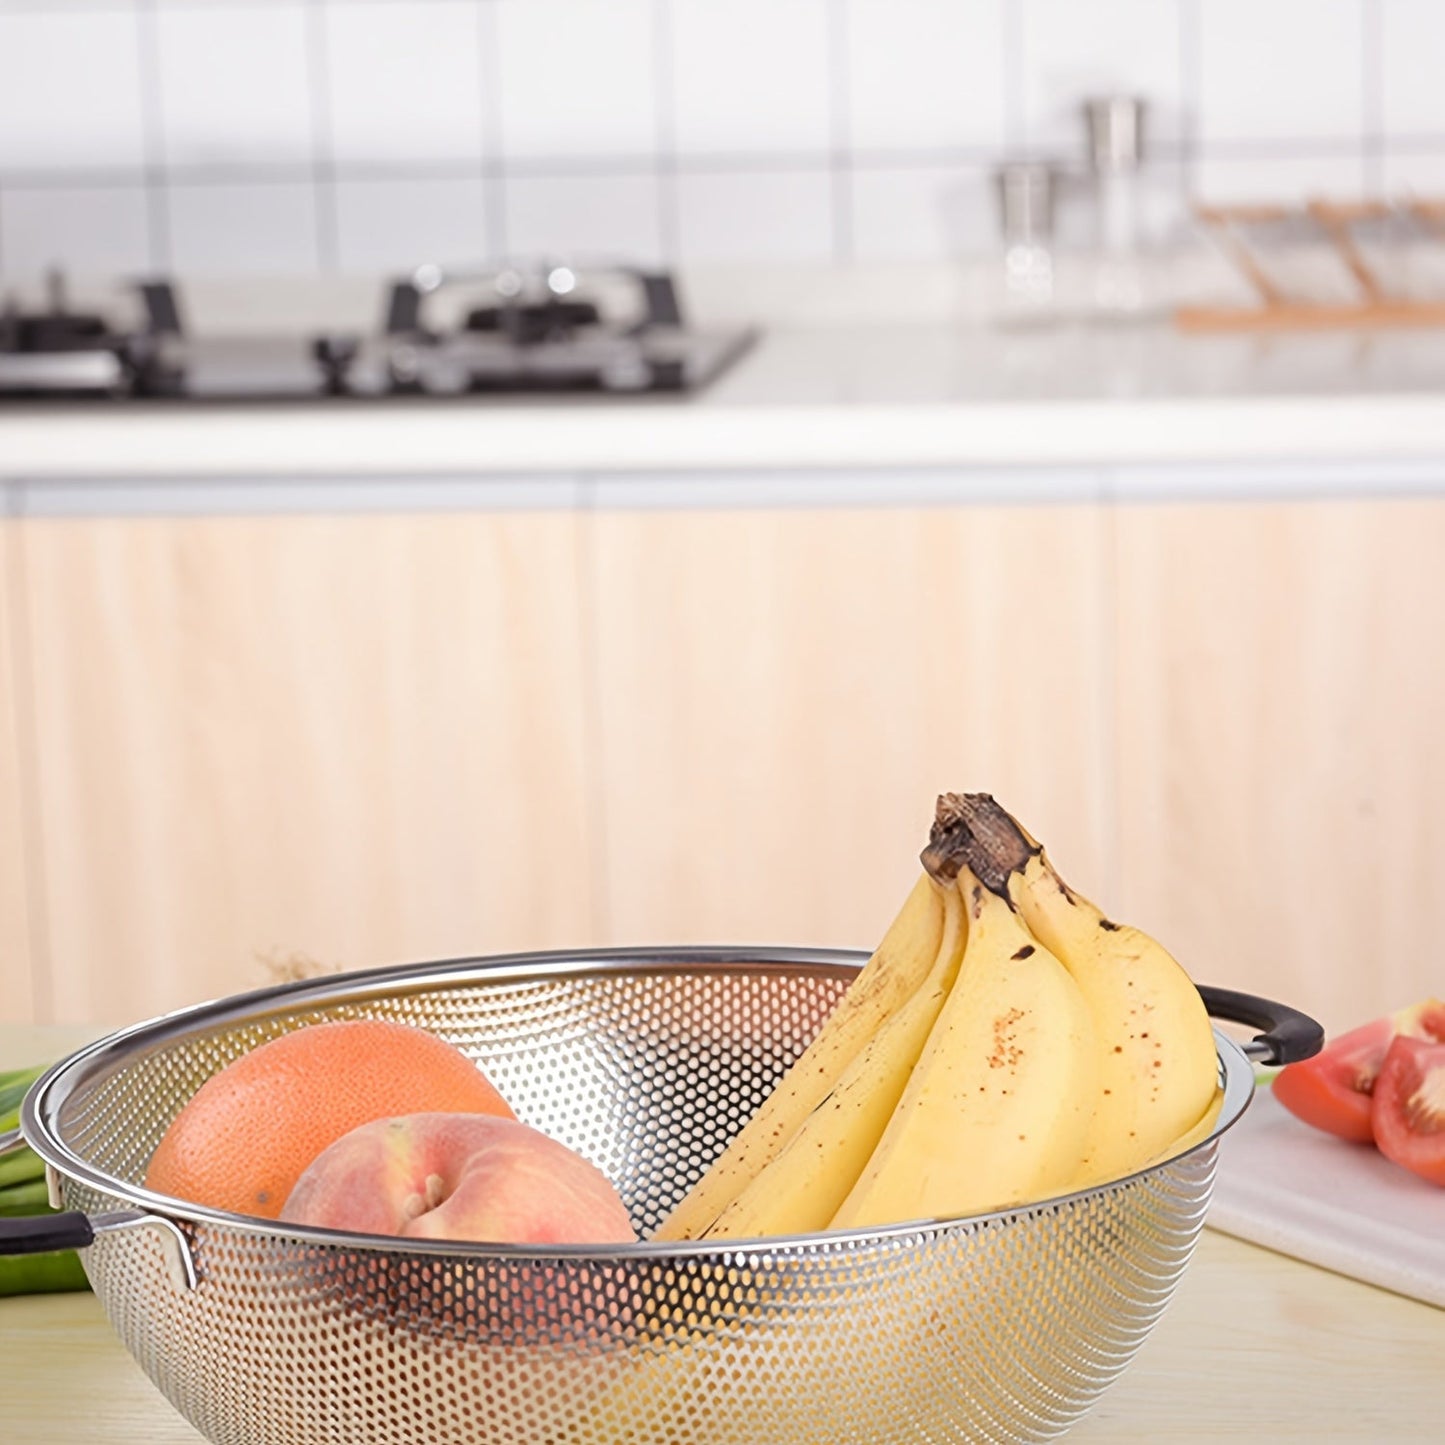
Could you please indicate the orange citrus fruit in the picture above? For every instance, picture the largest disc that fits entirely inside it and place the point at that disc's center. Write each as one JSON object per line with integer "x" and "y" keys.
{"x": 246, "y": 1135}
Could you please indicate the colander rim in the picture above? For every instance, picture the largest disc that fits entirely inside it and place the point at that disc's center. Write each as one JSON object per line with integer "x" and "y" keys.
{"x": 41, "y": 1107}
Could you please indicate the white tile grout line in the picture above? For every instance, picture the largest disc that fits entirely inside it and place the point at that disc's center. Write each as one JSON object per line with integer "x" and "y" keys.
{"x": 323, "y": 163}
{"x": 489, "y": 77}
{"x": 1372, "y": 96}
{"x": 1191, "y": 90}
{"x": 664, "y": 85}
{"x": 899, "y": 161}
{"x": 840, "y": 167}
{"x": 159, "y": 248}
{"x": 1015, "y": 116}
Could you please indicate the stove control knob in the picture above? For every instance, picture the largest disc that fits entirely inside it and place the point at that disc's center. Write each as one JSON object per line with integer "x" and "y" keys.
{"x": 335, "y": 355}
{"x": 445, "y": 376}
{"x": 405, "y": 364}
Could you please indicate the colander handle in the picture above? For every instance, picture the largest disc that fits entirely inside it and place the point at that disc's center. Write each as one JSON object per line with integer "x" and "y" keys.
{"x": 1287, "y": 1035}
{"x": 41, "y": 1233}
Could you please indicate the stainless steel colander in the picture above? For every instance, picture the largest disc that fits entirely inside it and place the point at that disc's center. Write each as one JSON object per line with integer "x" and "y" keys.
{"x": 999, "y": 1327}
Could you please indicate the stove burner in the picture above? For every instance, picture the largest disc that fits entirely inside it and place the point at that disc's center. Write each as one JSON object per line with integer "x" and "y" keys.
{"x": 616, "y": 330}
{"x": 539, "y": 333}
{"x": 51, "y": 331}
{"x": 534, "y": 322}
{"x": 60, "y": 352}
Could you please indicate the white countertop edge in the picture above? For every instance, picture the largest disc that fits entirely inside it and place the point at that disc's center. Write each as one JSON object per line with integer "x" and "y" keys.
{"x": 646, "y": 437}
{"x": 755, "y": 489}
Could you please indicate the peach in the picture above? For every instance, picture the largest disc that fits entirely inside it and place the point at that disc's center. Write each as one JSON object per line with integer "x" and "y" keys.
{"x": 458, "y": 1177}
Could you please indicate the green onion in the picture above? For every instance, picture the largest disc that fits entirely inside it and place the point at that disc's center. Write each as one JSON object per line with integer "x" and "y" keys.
{"x": 19, "y": 1200}
{"x": 20, "y": 1166}
{"x": 42, "y": 1273}
{"x": 23, "y": 1194}
{"x": 13, "y": 1087}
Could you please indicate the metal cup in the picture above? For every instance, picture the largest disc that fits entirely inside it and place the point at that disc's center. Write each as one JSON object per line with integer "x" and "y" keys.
{"x": 1115, "y": 125}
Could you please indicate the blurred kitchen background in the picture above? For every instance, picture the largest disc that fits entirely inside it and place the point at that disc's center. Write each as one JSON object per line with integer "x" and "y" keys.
{"x": 360, "y": 135}
{"x": 1038, "y": 396}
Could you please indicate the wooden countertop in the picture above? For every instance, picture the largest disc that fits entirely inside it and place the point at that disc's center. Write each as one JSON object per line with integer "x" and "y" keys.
{"x": 1253, "y": 1346}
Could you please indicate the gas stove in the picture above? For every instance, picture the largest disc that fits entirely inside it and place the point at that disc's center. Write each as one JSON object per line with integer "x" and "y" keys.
{"x": 611, "y": 331}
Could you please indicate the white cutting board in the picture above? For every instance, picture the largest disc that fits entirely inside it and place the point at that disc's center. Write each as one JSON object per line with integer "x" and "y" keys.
{"x": 1344, "y": 1206}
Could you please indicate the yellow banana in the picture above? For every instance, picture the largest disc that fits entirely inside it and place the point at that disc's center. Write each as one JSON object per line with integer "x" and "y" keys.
{"x": 1159, "y": 1068}
{"x": 894, "y": 972}
{"x": 802, "y": 1188}
{"x": 999, "y": 1104}
{"x": 1196, "y": 1133}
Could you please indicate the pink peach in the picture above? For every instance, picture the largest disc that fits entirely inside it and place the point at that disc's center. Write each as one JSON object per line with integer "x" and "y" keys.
{"x": 458, "y": 1177}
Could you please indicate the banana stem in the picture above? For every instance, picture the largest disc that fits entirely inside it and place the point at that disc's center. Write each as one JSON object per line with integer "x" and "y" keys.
{"x": 971, "y": 830}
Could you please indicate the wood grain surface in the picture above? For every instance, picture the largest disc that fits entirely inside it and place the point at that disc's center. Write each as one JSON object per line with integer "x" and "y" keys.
{"x": 784, "y": 694}
{"x": 242, "y": 745}
{"x": 326, "y": 741}
{"x": 17, "y": 996}
{"x": 1281, "y": 746}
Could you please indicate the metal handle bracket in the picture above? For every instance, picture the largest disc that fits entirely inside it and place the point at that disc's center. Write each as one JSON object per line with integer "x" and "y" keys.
{"x": 1287, "y": 1034}
{"x": 42, "y": 1233}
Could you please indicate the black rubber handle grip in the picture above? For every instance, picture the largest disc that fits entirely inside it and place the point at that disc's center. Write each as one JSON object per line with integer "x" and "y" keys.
{"x": 1287, "y": 1035}
{"x": 41, "y": 1233}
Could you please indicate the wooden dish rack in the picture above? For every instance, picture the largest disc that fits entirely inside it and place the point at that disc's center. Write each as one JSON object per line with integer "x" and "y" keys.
{"x": 1336, "y": 222}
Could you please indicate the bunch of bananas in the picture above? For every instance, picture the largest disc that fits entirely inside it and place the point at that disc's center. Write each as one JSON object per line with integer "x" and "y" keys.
{"x": 1006, "y": 1043}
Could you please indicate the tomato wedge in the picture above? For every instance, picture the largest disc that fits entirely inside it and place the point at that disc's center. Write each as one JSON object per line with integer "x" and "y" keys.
{"x": 1333, "y": 1090}
{"x": 1409, "y": 1112}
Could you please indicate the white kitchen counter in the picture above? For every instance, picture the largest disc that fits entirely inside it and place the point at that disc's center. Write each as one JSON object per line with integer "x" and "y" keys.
{"x": 1328, "y": 412}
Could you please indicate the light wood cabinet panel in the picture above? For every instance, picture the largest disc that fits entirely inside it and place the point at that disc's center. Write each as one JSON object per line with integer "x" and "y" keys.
{"x": 1281, "y": 745}
{"x": 349, "y": 740}
{"x": 17, "y": 1003}
{"x": 782, "y": 695}
{"x": 231, "y": 742}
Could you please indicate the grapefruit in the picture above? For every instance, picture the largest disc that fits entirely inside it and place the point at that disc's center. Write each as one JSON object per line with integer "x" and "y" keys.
{"x": 247, "y": 1134}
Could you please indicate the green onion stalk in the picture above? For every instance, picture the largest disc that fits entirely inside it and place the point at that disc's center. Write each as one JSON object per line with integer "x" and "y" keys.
{"x": 23, "y": 1193}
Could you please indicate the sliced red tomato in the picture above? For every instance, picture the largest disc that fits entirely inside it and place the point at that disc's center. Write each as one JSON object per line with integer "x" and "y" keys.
{"x": 1334, "y": 1089}
{"x": 1409, "y": 1112}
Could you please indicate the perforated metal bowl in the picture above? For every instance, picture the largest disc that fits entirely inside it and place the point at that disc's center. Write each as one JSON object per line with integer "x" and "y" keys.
{"x": 998, "y": 1327}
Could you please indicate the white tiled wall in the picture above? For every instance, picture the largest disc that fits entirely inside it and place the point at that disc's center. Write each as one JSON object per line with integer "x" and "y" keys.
{"x": 361, "y": 135}
{"x": 212, "y": 112}
{"x": 576, "y": 78}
